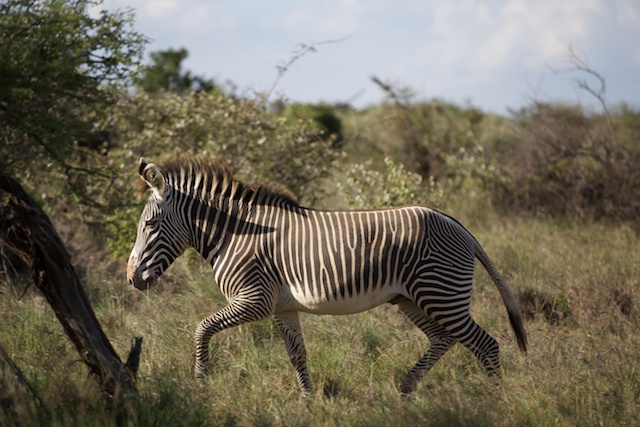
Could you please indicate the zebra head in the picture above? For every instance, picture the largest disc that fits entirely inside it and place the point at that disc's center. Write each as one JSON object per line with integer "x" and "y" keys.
{"x": 160, "y": 239}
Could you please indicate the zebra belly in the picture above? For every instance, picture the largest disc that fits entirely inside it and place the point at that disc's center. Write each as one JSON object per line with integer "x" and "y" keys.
{"x": 301, "y": 299}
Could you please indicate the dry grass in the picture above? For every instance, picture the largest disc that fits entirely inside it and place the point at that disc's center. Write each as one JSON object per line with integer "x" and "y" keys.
{"x": 583, "y": 367}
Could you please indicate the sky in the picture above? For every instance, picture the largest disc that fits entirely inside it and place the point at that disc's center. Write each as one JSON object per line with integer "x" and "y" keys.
{"x": 496, "y": 55}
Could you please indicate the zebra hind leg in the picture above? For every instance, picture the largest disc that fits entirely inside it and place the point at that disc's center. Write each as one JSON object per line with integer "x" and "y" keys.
{"x": 477, "y": 340}
{"x": 439, "y": 342}
{"x": 289, "y": 324}
{"x": 483, "y": 346}
{"x": 230, "y": 316}
{"x": 454, "y": 317}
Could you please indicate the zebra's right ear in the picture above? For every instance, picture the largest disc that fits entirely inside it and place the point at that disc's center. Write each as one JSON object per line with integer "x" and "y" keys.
{"x": 152, "y": 175}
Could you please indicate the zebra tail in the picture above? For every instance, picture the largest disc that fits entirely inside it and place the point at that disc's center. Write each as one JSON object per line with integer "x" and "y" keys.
{"x": 510, "y": 301}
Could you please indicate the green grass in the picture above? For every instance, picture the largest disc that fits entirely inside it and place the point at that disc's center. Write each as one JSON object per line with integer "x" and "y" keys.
{"x": 583, "y": 367}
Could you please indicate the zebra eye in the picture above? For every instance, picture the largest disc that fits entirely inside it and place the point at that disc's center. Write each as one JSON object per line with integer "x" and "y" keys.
{"x": 151, "y": 223}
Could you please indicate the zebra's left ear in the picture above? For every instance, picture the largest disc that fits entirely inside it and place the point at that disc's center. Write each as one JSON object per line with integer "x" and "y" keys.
{"x": 152, "y": 175}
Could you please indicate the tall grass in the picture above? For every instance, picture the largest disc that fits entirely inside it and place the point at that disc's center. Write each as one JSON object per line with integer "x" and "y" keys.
{"x": 583, "y": 367}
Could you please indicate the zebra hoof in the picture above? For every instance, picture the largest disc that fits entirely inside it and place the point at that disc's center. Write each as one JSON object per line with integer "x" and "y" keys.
{"x": 407, "y": 388}
{"x": 409, "y": 384}
{"x": 306, "y": 393}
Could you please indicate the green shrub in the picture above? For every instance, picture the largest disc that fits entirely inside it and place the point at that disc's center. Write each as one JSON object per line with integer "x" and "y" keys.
{"x": 570, "y": 163}
{"x": 366, "y": 188}
{"x": 322, "y": 115}
{"x": 258, "y": 144}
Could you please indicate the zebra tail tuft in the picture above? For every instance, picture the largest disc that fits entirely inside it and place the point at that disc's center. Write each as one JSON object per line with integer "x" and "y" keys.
{"x": 518, "y": 329}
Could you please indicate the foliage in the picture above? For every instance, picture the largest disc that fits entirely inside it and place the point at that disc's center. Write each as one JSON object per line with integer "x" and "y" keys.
{"x": 260, "y": 146}
{"x": 424, "y": 134}
{"x": 434, "y": 153}
{"x": 322, "y": 115}
{"x": 366, "y": 188}
{"x": 549, "y": 159}
{"x": 165, "y": 75}
{"x": 59, "y": 66}
{"x": 570, "y": 163}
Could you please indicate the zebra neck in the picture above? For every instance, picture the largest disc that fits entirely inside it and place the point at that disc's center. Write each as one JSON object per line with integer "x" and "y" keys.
{"x": 214, "y": 222}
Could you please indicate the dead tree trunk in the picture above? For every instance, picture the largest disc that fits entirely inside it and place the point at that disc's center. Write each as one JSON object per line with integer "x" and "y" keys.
{"x": 28, "y": 232}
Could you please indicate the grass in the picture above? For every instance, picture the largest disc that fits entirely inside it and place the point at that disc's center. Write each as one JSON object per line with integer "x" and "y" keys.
{"x": 583, "y": 367}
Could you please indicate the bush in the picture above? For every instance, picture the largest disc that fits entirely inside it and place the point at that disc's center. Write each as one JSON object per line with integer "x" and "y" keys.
{"x": 366, "y": 188}
{"x": 423, "y": 134}
{"x": 259, "y": 145}
{"x": 322, "y": 115}
{"x": 569, "y": 163}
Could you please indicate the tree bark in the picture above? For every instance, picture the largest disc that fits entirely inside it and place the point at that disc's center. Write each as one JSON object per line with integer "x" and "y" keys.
{"x": 27, "y": 231}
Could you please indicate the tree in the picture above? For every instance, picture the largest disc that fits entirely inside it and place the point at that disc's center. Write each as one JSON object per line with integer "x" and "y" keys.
{"x": 165, "y": 75}
{"x": 28, "y": 232}
{"x": 60, "y": 68}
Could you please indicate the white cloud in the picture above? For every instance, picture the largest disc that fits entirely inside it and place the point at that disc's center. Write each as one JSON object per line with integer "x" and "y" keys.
{"x": 325, "y": 19}
{"x": 187, "y": 16}
{"x": 628, "y": 14}
{"x": 203, "y": 16}
{"x": 454, "y": 49}
{"x": 472, "y": 35}
{"x": 158, "y": 8}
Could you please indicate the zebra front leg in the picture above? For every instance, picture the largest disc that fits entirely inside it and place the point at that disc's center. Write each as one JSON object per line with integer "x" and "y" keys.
{"x": 439, "y": 343}
{"x": 289, "y": 324}
{"x": 236, "y": 313}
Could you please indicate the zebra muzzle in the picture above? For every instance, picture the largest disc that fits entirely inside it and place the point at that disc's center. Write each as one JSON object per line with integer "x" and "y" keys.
{"x": 137, "y": 278}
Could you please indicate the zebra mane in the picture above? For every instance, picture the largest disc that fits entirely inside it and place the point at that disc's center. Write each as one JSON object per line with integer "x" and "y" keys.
{"x": 213, "y": 171}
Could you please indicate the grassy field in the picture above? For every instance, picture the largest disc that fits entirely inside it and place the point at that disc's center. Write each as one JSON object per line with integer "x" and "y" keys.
{"x": 578, "y": 280}
{"x": 578, "y": 286}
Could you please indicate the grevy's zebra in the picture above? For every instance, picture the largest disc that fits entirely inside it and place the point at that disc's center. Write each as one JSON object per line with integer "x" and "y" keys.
{"x": 272, "y": 257}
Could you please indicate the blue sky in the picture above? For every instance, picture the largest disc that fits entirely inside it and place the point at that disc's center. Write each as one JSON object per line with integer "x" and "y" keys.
{"x": 495, "y": 55}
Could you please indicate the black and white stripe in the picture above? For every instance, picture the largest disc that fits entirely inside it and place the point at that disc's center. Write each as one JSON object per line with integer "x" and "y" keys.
{"x": 272, "y": 257}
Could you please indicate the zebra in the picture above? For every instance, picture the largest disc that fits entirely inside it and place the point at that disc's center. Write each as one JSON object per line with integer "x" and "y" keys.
{"x": 271, "y": 257}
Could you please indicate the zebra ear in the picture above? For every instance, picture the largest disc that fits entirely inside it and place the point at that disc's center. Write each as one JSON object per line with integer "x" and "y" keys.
{"x": 142, "y": 163}
{"x": 152, "y": 175}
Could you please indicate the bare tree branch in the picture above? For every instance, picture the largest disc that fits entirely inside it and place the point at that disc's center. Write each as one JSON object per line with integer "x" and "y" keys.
{"x": 578, "y": 63}
{"x": 301, "y": 50}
